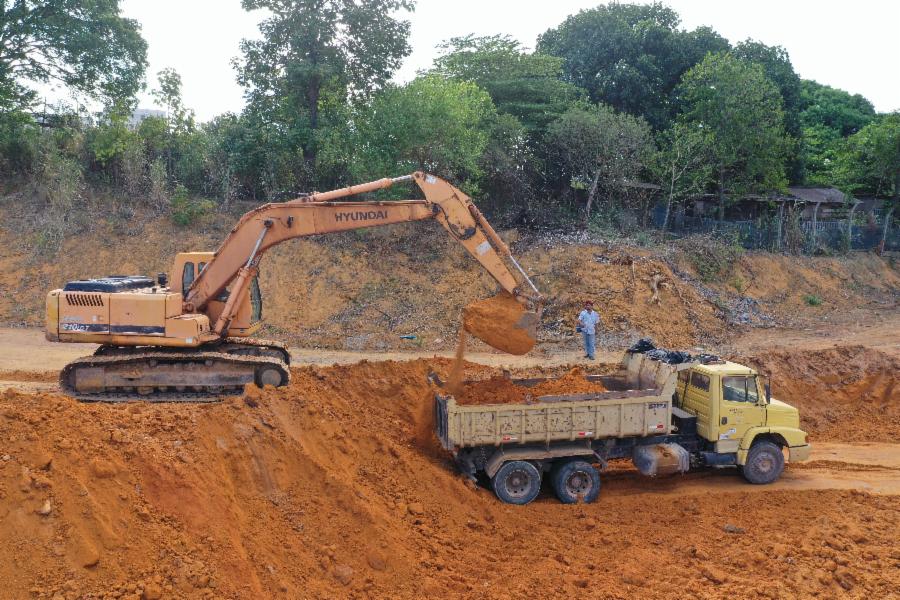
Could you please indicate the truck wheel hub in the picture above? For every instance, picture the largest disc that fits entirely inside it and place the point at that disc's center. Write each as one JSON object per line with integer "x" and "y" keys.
{"x": 579, "y": 483}
{"x": 517, "y": 483}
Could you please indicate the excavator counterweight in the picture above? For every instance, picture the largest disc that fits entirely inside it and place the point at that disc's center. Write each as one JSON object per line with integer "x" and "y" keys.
{"x": 191, "y": 331}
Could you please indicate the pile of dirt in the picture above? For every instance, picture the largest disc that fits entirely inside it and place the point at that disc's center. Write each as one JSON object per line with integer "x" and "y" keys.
{"x": 845, "y": 393}
{"x": 320, "y": 490}
{"x": 503, "y": 390}
{"x": 502, "y": 323}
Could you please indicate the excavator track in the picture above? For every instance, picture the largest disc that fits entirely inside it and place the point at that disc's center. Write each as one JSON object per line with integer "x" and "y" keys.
{"x": 231, "y": 345}
{"x": 168, "y": 375}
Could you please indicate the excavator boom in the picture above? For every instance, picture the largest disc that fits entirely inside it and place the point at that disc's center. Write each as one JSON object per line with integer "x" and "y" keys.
{"x": 272, "y": 224}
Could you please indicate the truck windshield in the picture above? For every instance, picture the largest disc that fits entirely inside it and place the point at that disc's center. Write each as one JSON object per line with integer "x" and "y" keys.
{"x": 740, "y": 389}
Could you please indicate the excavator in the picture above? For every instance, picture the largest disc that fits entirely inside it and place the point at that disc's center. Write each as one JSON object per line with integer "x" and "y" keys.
{"x": 192, "y": 330}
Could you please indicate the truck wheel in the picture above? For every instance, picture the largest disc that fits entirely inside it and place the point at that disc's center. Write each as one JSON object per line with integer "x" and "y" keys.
{"x": 517, "y": 482}
{"x": 576, "y": 479}
{"x": 765, "y": 462}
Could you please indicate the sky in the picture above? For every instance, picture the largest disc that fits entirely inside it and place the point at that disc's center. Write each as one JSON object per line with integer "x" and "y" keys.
{"x": 848, "y": 45}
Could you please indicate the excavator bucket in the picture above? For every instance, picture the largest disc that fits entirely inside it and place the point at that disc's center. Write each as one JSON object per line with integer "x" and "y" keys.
{"x": 503, "y": 323}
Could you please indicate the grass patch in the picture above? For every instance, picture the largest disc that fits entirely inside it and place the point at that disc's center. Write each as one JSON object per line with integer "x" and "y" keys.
{"x": 813, "y": 300}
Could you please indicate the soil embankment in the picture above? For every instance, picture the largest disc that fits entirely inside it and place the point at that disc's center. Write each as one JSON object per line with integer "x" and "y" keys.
{"x": 364, "y": 290}
{"x": 845, "y": 393}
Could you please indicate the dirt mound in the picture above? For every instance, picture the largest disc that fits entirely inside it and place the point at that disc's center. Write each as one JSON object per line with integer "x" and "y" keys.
{"x": 502, "y": 390}
{"x": 319, "y": 490}
{"x": 846, "y": 393}
{"x": 502, "y": 323}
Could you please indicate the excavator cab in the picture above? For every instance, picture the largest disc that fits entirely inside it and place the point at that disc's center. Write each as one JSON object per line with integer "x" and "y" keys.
{"x": 248, "y": 319}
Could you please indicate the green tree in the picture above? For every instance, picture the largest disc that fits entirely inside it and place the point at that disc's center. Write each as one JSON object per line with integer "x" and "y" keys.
{"x": 682, "y": 166}
{"x": 871, "y": 163}
{"x": 742, "y": 110}
{"x": 183, "y": 145}
{"x": 523, "y": 84}
{"x": 776, "y": 64}
{"x": 84, "y": 44}
{"x": 430, "y": 124}
{"x": 168, "y": 94}
{"x": 821, "y": 147}
{"x": 509, "y": 172}
{"x": 841, "y": 111}
{"x": 313, "y": 55}
{"x": 598, "y": 149}
{"x": 828, "y": 117}
{"x": 629, "y": 56}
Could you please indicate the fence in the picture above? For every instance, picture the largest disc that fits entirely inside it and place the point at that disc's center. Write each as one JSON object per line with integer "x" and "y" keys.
{"x": 764, "y": 234}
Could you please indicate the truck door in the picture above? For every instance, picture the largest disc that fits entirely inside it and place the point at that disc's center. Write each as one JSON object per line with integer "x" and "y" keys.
{"x": 740, "y": 410}
{"x": 697, "y": 401}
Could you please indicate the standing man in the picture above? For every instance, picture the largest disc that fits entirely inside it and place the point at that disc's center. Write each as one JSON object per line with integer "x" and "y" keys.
{"x": 587, "y": 323}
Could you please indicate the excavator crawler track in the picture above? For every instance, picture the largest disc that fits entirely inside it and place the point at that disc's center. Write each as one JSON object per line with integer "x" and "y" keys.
{"x": 168, "y": 375}
{"x": 231, "y": 345}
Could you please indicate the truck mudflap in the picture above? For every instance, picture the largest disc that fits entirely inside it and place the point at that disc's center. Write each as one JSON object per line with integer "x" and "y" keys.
{"x": 661, "y": 459}
{"x": 799, "y": 453}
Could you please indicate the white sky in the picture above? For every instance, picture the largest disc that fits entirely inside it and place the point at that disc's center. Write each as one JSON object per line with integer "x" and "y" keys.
{"x": 849, "y": 45}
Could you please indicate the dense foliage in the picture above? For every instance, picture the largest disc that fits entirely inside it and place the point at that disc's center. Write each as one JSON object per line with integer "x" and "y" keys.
{"x": 618, "y": 108}
{"x": 85, "y": 45}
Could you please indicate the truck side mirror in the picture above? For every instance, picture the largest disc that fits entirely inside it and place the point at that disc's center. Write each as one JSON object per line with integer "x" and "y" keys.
{"x": 768, "y": 393}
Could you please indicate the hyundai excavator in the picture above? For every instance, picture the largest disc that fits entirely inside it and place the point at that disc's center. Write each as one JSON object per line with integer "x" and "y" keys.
{"x": 192, "y": 330}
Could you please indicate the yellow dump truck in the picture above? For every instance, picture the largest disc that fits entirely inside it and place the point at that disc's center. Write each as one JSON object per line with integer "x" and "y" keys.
{"x": 667, "y": 418}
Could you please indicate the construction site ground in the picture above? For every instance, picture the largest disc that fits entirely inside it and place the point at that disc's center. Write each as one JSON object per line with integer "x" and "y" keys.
{"x": 328, "y": 489}
{"x": 333, "y": 487}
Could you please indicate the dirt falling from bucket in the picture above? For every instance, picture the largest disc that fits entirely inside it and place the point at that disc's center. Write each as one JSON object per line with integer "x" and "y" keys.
{"x": 457, "y": 373}
{"x": 503, "y": 323}
{"x": 424, "y": 431}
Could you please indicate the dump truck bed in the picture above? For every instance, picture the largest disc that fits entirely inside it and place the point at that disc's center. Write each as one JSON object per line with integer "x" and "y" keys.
{"x": 639, "y": 403}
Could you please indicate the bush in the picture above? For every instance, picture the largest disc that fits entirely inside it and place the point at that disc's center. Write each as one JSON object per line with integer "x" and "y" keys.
{"x": 19, "y": 139}
{"x": 186, "y": 211}
{"x": 813, "y": 300}
{"x": 159, "y": 185}
{"x": 711, "y": 257}
{"x": 59, "y": 182}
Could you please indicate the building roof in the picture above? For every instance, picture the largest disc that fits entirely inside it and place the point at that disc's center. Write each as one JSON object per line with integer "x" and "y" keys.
{"x": 814, "y": 195}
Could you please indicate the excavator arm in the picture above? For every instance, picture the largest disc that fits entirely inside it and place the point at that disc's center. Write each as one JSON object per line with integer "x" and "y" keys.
{"x": 236, "y": 261}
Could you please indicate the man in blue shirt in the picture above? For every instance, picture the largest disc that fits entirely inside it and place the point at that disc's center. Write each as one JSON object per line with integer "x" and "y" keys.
{"x": 587, "y": 323}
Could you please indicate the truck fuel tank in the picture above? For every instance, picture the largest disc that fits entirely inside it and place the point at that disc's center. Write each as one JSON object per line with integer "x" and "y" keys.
{"x": 661, "y": 459}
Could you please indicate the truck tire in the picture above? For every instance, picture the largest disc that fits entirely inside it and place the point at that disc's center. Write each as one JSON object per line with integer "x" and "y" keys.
{"x": 517, "y": 482}
{"x": 765, "y": 462}
{"x": 574, "y": 479}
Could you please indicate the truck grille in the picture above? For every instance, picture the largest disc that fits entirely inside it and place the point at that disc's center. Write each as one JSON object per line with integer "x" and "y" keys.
{"x": 84, "y": 299}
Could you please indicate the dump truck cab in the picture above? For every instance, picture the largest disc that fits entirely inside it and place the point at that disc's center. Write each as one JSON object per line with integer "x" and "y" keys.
{"x": 735, "y": 411}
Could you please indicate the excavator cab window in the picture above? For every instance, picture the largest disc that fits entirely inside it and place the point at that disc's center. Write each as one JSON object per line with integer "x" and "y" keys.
{"x": 187, "y": 278}
{"x": 255, "y": 301}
